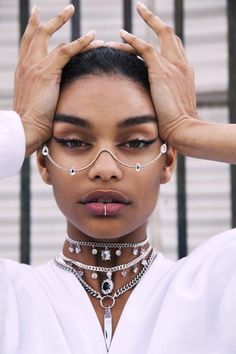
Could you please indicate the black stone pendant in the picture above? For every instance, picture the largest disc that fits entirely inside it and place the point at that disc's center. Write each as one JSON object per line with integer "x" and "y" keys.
{"x": 107, "y": 286}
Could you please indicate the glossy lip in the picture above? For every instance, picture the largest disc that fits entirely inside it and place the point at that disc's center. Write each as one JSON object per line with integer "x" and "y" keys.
{"x": 119, "y": 203}
{"x": 93, "y": 196}
{"x": 112, "y": 209}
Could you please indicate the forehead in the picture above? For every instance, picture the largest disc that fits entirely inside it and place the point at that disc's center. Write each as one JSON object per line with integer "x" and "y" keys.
{"x": 105, "y": 99}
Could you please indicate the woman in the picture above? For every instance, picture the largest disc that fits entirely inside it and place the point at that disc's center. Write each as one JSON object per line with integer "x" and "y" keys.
{"x": 105, "y": 159}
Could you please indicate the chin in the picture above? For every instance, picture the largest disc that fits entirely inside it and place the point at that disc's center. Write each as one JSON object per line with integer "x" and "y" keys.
{"x": 103, "y": 230}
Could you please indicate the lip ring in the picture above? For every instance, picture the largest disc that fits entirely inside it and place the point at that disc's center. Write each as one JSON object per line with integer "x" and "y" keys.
{"x": 105, "y": 194}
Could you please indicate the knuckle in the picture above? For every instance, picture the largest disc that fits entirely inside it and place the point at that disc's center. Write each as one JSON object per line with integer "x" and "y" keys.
{"x": 21, "y": 70}
{"x": 149, "y": 16}
{"x": 166, "y": 29}
{"x": 41, "y": 31}
{"x": 63, "y": 50}
{"x": 33, "y": 21}
{"x": 185, "y": 68}
{"x": 149, "y": 48}
{"x": 83, "y": 41}
{"x": 60, "y": 18}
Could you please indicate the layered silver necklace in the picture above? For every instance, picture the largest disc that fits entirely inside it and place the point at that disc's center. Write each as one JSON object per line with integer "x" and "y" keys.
{"x": 108, "y": 295}
{"x": 76, "y": 247}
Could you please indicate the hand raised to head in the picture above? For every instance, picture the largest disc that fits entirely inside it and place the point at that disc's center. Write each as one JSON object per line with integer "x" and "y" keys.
{"x": 170, "y": 75}
{"x": 38, "y": 73}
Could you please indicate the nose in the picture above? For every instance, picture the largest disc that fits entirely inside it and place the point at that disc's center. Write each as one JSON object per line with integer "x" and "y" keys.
{"x": 105, "y": 167}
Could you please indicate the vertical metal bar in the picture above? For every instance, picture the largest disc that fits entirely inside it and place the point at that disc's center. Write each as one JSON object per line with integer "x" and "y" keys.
{"x": 127, "y": 15}
{"x": 181, "y": 168}
{"x": 76, "y": 21}
{"x": 25, "y": 172}
{"x": 231, "y": 10}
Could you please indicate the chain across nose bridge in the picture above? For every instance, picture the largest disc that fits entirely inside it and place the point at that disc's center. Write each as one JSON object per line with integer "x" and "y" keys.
{"x": 72, "y": 170}
{"x": 99, "y": 154}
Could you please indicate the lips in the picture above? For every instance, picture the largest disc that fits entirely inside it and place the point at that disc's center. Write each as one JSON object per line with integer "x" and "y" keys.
{"x": 105, "y": 203}
{"x": 105, "y": 197}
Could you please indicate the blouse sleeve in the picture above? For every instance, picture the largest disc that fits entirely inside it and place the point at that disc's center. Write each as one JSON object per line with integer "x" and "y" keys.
{"x": 12, "y": 143}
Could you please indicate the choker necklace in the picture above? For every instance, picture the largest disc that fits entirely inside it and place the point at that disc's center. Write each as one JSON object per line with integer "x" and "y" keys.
{"x": 76, "y": 246}
{"x": 104, "y": 299}
{"x": 108, "y": 284}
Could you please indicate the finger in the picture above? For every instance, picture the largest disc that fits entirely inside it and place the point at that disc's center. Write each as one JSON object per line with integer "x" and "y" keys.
{"x": 144, "y": 49}
{"x": 32, "y": 25}
{"x": 57, "y": 22}
{"x": 122, "y": 46}
{"x": 66, "y": 52}
{"x": 169, "y": 44}
{"x": 93, "y": 45}
{"x": 181, "y": 48}
{"x": 152, "y": 20}
{"x": 39, "y": 44}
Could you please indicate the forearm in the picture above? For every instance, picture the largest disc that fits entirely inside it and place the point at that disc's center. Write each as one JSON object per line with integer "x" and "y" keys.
{"x": 204, "y": 140}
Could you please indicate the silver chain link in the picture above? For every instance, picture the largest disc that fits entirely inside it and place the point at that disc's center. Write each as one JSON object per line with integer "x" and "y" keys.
{"x": 61, "y": 264}
{"x": 105, "y": 244}
{"x": 106, "y": 269}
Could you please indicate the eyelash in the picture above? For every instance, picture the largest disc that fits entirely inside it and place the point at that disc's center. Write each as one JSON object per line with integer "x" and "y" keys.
{"x": 72, "y": 143}
{"x": 77, "y": 143}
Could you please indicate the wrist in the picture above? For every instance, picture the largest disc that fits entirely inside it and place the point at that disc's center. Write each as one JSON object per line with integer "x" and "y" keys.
{"x": 185, "y": 133}
{"x": 34, "y": 136}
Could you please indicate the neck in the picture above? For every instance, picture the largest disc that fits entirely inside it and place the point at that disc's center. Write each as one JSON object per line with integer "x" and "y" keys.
{"x": 87, "y": 254}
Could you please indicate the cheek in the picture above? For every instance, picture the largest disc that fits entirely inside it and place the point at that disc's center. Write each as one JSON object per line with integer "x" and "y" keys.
{"x": 63, "y": 188}
{"x": 148, "y": 188}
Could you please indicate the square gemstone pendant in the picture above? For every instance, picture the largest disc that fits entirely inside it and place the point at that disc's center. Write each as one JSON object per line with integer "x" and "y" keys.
{"x": 106, "y": 255}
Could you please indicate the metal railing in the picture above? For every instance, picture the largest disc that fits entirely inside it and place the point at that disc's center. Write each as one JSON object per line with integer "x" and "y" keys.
{"x": 203, "y": 100}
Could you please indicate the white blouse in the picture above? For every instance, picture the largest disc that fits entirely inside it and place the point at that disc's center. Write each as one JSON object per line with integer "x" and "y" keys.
{"x": 183, "y": 307}
{"x": 12, "y": 143}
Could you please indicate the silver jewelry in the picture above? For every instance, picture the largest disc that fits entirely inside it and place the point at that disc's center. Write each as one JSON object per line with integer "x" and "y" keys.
{"x": 107, "y": 284}
{"x": 77, "y": 245}
{"x": 105, "y": 209}
{"x": 72, "y": 170}
{"x": 107, "y": 308}
{"x": 106, "y": 269}
{"x": 106, "y": 255}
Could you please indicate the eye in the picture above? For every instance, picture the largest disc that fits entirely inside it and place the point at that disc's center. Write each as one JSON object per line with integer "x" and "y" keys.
{"x": 72, "y": 143}
{"x": 138, "y": 143}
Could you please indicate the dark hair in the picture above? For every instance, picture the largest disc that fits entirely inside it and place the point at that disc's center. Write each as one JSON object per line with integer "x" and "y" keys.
{"x": 105, "y": 60}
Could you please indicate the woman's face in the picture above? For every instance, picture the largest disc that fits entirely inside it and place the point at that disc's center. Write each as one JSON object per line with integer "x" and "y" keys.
{"x": 104, "y": 112}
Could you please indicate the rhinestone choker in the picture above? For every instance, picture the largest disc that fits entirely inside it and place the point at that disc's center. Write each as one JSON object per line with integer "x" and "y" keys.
{"x": 105, "y": 252}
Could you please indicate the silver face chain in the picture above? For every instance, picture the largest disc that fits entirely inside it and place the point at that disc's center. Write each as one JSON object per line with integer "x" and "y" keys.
{"x": 62, "y": 264}
{"x": 106, "y": 245}
{"x": 106, "y": 269}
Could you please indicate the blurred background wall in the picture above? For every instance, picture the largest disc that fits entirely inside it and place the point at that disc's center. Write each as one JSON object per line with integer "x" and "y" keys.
{"x": 208, "y": 188}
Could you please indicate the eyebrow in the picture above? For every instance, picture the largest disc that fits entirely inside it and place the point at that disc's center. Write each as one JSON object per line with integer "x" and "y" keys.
{"x": 84, "y": 123}
{"x": 67, "y": 118}
{"x": 129, "y": 122}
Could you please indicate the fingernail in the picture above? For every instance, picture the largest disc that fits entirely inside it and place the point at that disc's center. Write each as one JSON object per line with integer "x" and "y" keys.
{"x": 100, "y": 42}
{"x": 33, "y": 9}
{"x": 109, "y": 44}
{"x": 123, "y": 32}
{"x": 140, "y": 4}
{"x": 69, "y": 8}
{"x": 91, "y": 33}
